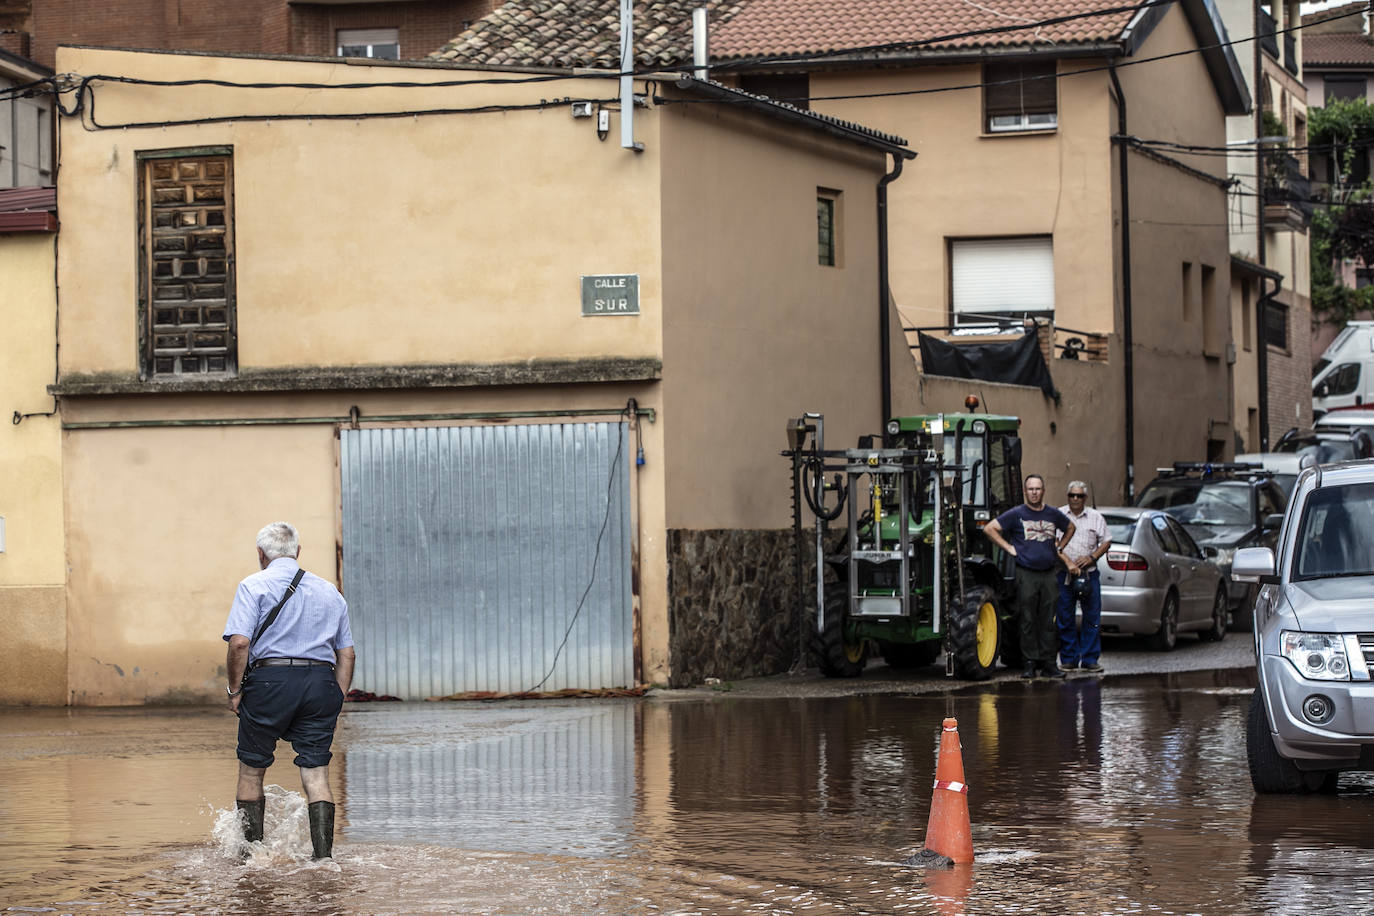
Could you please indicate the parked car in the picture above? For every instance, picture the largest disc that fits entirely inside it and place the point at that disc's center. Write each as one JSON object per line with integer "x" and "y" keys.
{"x": 1156, "y": 580}
{"x": 1224, "y": 507}
{"x": 1303, "y": 447}
{"x": 1310, "y": 716}
{"x": 1346, "y": 418}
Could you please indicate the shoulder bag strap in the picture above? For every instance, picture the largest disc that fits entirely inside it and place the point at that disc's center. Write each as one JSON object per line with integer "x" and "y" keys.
{"x": 290, "y": 590}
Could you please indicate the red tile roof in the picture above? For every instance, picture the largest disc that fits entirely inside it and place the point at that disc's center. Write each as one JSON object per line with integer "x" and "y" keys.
{"x": 807, "y": 26}
{"x": 1337, "y": 49}
{"x": 581, "y": 33}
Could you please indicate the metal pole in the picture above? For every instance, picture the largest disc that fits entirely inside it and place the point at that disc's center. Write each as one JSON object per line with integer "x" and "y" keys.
{"x": 701, "y": 49}
{"x": 627, "y": 80}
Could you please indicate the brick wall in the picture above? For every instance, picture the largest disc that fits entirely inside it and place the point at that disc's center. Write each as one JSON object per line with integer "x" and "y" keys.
{"x": 242, "y": 26}
{"x": 1290, "y": 371}
{"x": 423, "y": 27}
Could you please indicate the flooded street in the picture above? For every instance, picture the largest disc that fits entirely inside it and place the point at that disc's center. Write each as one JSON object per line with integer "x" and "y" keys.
{"x": 1123, "y": 795}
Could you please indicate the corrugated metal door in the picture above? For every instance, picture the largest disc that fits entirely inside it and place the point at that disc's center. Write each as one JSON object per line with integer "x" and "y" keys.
{"x": 471, "y": 553}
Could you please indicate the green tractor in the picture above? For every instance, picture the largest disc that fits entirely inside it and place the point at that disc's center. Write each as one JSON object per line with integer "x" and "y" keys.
{"x": 912, "y": 574}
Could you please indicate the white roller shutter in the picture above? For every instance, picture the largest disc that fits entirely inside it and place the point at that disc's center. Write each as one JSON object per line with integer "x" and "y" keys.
{"x": 1003, "y": 276}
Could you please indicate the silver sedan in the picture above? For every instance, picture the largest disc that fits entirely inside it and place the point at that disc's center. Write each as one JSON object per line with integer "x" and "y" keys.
{"x": 1157, "y": 582}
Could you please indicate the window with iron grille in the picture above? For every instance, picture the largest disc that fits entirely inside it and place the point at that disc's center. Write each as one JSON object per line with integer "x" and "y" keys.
{"x": 186, "y": 264}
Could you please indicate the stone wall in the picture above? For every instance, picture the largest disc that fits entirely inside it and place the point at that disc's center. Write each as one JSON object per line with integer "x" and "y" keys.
{"x": 732, "y": 603}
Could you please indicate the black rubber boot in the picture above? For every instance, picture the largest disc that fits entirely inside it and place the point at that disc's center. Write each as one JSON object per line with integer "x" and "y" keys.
{"x": 322, "y": 829}
{"x": 251, "y": 813}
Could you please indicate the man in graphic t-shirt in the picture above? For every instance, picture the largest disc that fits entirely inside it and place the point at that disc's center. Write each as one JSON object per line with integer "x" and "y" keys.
{"x": 1035, "y": 535}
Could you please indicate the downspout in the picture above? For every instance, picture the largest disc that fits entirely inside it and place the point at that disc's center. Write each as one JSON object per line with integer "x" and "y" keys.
{"x": 1127, "y": 336}
{"x": 884, "y": 293}
{"x": 1262, "y": 356}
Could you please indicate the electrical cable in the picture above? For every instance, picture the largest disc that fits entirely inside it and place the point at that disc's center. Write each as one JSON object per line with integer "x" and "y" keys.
{"x": 621, "y": 435}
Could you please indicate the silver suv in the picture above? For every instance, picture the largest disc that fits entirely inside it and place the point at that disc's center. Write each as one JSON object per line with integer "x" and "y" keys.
{"x": 1312, "y": 715}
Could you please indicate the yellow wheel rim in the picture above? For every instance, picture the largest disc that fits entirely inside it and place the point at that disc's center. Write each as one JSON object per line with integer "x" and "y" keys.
{"x": 854, "y": 652}
{"x": 987, "y": 634}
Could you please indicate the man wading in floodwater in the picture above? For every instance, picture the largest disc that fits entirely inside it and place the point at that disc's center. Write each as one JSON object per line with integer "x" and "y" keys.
{"x": 288, "y": 630}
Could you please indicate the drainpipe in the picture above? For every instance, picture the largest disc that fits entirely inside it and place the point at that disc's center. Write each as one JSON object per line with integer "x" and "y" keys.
{"x": 1262, "y": 357}
{"x": 1127, "y": 337}
{"x": 884, "y": 294}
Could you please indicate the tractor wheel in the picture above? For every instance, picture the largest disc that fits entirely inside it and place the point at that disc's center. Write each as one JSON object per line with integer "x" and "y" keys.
{"x": 910, "y": 655}
{"x": 837, "y": 656}
{"x": 974, "y": 635}
{"x": 1270, "y": 773}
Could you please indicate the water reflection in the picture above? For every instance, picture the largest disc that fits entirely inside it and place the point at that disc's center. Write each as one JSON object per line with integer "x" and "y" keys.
{"x": 1089, "y": 796}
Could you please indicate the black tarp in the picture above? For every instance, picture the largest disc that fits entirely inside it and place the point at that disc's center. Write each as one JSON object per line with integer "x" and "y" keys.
{"x": 1017, "y": 362}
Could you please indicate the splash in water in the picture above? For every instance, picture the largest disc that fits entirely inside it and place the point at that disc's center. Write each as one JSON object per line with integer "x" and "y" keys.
{"x": 285, "y": 837}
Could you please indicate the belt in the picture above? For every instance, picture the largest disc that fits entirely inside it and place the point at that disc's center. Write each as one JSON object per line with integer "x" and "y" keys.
{"x": 302, "y": 662}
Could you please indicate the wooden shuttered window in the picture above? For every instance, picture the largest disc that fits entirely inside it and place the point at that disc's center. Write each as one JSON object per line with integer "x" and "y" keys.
{"x": 186, "y": 265}
{"x": 1020, "y": 95}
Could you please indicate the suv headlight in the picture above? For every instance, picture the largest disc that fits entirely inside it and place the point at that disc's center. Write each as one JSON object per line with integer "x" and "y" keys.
{"x": 1224, "y": 556}
{"x": 1317, "y": 656}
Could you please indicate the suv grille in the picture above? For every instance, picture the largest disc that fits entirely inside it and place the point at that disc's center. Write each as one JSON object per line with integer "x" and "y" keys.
{"x": 1367, "y": 649}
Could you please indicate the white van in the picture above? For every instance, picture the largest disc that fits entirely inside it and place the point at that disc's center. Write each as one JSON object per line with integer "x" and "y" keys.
{"x": 1344, "y": 376}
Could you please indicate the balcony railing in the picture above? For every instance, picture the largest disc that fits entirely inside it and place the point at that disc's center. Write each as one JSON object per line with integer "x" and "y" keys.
{"x": 1268, "y": 41}
{"x": 1290, "y": 54}
{"x": 1287, "y": 190}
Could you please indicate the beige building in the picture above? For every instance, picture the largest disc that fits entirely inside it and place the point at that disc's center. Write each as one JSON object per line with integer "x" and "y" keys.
{"x": 522, "y": 389}
{"x": 1054, "y": 182}
{"x": 1270, "y": 213}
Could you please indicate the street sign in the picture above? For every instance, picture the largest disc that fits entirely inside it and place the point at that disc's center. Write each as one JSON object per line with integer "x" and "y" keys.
{"x": 610, "y": 294}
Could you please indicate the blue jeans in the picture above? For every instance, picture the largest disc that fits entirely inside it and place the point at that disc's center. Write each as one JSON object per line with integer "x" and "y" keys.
{"x": 1079, "y": 644}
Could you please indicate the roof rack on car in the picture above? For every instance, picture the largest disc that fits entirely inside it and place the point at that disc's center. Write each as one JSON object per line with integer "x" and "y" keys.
{"x": 1210, "y": 468}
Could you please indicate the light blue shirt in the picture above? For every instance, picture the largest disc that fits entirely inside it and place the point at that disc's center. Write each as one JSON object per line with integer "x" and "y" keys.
{"x": 312, "y": 624}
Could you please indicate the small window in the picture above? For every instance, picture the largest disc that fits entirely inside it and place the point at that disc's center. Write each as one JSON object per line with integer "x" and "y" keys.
{"x": 186, "y": 265}
{"x": 1001, "y": 279}
{"x": 1187, "y": 291}
{"x": 1020, "y": 95}
{"x": 828, "y": 216}
{"x": 383, "y": 44}
{"x": 1343, "y": 87}
{"x": 1276, "y": 325}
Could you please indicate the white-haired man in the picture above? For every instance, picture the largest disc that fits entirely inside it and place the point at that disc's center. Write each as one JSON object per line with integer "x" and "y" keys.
{"x": 288, "y": 674}
{"x": 1080, "y": 645}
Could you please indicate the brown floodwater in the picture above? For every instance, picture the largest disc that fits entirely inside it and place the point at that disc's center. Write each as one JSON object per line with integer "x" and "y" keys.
{"x": 1125, "y": 795}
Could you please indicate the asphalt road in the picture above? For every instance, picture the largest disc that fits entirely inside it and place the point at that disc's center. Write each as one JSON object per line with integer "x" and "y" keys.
{"x": 1120, "y": 656}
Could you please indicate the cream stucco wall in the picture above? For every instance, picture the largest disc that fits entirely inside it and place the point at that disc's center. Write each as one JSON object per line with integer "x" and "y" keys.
{"x": 370, "y": 241}
{"x": 759, "y": 329}
{"x": 1065, "y": 183}
{"x": 32, "y": 571}
{"x": 455, "y": 239}
{"x": 161, "y": 521}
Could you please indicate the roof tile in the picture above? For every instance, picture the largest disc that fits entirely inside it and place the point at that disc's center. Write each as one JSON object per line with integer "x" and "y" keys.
{"x": 1337, "y": 48}
{"x": 586, "y": 34}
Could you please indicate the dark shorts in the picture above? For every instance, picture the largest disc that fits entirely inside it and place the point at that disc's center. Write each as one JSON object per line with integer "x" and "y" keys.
{"x": 300, "y": 705}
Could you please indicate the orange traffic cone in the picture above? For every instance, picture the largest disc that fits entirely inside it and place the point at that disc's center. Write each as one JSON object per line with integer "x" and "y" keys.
{"x": 949, "y": 833}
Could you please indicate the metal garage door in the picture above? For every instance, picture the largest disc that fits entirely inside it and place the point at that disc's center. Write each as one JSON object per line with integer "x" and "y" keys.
{"x": 471, "y": 552}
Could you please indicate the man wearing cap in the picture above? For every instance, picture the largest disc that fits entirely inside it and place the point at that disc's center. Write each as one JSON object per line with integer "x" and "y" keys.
{"x": 288, "y": 674}
{"x": 1080, "y": 646}
{"x": 1031, "y": 533}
